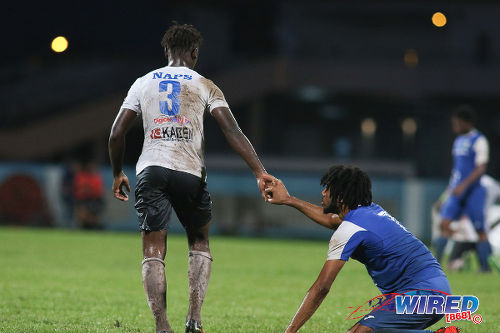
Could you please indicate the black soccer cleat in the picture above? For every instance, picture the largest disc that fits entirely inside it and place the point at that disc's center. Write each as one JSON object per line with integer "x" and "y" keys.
{"x": 449, "y": 329}
{"x": 192, "y": 326}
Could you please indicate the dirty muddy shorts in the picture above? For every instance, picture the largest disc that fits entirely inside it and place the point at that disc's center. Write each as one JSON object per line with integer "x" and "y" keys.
{"x": 159, "y": 189}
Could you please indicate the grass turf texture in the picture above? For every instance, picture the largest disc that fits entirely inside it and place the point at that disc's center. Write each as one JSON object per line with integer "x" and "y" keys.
{"x": 70, "y": 281}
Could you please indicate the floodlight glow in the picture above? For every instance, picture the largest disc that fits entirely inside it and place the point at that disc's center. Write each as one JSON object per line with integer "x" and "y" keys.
{"x": 368, "y": 127}
{"x": 409, "y": 127}
{"x": 59, "y": 44}
{"x": 439, "y": 19}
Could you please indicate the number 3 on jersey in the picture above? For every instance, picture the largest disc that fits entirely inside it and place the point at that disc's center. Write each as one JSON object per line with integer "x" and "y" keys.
{"x": 169, "y": 97}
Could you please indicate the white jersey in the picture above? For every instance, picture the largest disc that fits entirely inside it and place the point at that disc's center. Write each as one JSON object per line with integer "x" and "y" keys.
{"x": 173, "y": 102}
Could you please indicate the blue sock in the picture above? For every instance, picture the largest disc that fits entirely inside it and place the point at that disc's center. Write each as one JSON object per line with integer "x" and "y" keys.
{"x": 394, "y": 330}
{"x": 483, "y": 252}
{"x": 440, "y": 244}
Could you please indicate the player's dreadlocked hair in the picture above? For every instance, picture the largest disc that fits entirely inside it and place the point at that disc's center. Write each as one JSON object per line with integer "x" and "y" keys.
{"x": 466, "y": 113}
{"x": 180, "y": 38}
{"x": 349, "y": 186}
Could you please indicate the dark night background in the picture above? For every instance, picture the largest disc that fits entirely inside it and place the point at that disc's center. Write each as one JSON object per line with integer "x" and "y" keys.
{"x": 300, "y": 77}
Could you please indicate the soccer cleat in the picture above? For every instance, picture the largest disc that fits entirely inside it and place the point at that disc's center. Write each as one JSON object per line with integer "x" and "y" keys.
{"x": 192, "y": 326}
{"x": 449, "y": 329}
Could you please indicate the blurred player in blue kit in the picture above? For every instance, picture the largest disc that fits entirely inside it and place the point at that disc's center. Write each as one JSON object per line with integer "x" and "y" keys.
{"x": 466, "y": 193}
{"x": 464, "y": 235}
{"x": 173, "y": 101}
{"x": 396, "y": 260}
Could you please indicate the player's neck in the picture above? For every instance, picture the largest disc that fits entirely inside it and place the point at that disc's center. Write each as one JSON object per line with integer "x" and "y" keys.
{"x": 468, "y": 131}
{"x": 178, "y": 62}
{"x": 343, "y": 212}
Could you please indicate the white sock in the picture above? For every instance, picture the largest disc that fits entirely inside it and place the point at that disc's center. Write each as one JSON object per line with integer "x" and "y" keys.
{"x": 155, "y": 286}
{"x": 200, "y": 267}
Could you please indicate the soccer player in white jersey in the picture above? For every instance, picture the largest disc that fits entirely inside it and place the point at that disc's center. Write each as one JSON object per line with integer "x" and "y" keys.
{"x": 173, "y": 101}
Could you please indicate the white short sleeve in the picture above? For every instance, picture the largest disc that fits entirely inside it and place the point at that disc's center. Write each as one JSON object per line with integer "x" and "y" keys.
{"x": 482, "y": 150}
{"x": 132, "y": 101}
{"x": 215, "y": 98}
{"x": 339, "y": 248}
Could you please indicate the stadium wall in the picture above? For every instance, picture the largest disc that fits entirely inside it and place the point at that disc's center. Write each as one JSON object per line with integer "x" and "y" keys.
{"x": 32, "y": 194}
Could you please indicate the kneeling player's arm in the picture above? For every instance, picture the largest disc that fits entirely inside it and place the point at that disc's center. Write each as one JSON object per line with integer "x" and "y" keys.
{"x": 237, "y": 140}
{"x": 314, "y": 212}
{"x": 316, "y": 294}
{"x": 116, "y": 144}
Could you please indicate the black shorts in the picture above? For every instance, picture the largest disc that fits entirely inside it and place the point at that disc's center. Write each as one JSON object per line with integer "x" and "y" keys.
{"x": 158, "y": 189}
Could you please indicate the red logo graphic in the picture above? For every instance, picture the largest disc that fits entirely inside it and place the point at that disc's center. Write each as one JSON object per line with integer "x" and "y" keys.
{"x": 156, "y": 133}
{"x": 379, "y": 302}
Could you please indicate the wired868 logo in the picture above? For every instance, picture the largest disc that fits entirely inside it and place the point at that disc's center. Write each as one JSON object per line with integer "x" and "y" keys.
{"x": 453, "y": 307}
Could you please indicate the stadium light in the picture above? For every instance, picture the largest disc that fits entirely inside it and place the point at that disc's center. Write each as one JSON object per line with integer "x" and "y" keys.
{"x": 439, "y": 19}
{"x": 411, "y": 58}
{"x": 368, "y": 127}
{"x": 409, "y": 127}
{"x": 59, "y": 44}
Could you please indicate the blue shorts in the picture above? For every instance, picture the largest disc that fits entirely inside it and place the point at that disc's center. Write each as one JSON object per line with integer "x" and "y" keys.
{"x": 471, "y": 203}
{"x": 386, "y": 316}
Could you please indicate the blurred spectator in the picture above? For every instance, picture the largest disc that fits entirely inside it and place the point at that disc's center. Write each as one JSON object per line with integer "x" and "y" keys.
{"x": 88, "y": 195}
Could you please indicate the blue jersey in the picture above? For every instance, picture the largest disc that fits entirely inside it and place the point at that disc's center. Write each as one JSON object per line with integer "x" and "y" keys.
{"x": 468, "y": 152}
{"x": 395, "y": 259}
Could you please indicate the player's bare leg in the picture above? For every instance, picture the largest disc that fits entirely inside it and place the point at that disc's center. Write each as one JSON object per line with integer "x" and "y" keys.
{"x": 483, "y": 249}
{"x": 200, "y": 267}
{"x": 442, "y": 240}
{"x": 357, "y": 328}
{"x": 445, "y": 228}
{"x": 153, "y": 276}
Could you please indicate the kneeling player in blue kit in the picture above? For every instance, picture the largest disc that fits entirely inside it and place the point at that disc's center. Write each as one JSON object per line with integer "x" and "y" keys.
{"x": 396, "y": 260}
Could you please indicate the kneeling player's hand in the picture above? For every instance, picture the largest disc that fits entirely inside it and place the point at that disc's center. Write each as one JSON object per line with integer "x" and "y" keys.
{"x": 264, "y": 180}
{"x": 276, "y": 193}
{"x": 119, "y": 182}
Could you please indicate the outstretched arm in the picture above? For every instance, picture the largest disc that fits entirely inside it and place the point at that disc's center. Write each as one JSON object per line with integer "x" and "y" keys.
{"x": 316, "y": 294}
{"x": 276, "y": 193}
{"x": 116, "y": 146}
{"x": 239, "y": 142}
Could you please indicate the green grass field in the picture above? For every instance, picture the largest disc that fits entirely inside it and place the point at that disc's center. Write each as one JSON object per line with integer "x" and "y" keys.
{"x": 70, "y": 281}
